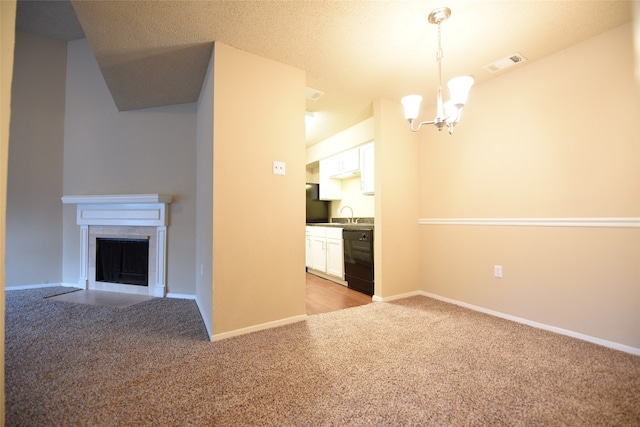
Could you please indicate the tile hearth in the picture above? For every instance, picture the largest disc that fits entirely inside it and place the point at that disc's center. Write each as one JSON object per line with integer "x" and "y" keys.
{"x": 101, "y": 298}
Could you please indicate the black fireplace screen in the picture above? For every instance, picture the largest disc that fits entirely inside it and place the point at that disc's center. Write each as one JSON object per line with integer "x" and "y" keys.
{"x": 123, "y": 261}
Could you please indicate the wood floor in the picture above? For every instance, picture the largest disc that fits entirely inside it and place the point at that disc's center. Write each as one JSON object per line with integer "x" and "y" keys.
{"x": 324, "y": 296}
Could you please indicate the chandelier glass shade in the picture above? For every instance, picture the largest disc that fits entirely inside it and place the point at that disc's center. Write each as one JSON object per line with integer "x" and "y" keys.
{"x": 447, "y": 114}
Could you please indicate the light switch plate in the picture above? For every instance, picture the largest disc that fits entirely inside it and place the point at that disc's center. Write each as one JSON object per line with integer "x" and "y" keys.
{"x": 497, "y": 271}
{"x": 278, "y": 168}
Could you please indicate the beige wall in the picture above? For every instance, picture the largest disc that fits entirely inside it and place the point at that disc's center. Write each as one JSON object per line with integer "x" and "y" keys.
{"x": 356, "y": 135}
{"x": 34, "y": 211}
{"x": 7, "y": 40}
{"x": 558, "y": 137}
{"x": 107, "y": 151}
{"x": 313, "y": 175}
{"x": 363, "y": 205}
{"x": 258, "y": 217}
{"x": 396, "y": 240}
{"x": 204, "y": 200}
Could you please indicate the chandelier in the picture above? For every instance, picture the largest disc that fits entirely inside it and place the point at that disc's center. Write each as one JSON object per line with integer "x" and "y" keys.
{"x": 447, "y": 113}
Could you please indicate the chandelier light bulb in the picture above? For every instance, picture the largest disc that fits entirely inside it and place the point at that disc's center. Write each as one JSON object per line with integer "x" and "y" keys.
{"x": 459, "y": 88}
{"x": 411, "y": 104}
{"x": 452, "y": 112}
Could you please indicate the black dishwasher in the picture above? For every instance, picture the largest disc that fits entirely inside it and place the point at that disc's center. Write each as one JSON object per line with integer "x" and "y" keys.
{"x": 358, "y": 259}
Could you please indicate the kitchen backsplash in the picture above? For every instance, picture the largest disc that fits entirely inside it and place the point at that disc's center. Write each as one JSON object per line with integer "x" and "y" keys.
{"x": 363, "y": 205}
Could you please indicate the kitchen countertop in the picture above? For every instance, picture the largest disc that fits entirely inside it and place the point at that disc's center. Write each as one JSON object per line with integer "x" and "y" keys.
{"x": 347, "y": 225}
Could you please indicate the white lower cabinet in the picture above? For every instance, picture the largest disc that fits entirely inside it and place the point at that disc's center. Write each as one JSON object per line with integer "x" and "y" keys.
{"x": 308, "y": 259}
{"x": 325, "y": 250}
{"x": 318, "y": 251}
{"x": 335, "y": 253}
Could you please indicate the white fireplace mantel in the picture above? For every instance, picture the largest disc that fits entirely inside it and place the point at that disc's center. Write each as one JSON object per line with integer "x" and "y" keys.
{"x": 144, "y": 210}
{"x": 118, "y": 198}
{"x": 121, "y": 209}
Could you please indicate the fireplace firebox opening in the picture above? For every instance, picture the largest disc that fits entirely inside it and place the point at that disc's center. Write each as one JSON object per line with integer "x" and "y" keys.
{"x": 122, "y": 260}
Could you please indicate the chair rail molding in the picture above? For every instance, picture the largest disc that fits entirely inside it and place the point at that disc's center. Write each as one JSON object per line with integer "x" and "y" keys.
{"x": 615, "y": 222}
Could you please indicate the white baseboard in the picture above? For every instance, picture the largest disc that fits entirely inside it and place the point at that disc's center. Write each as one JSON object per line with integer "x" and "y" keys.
{"x": 261, "y": 327}
{"x": 205, "y": 320}
{"x": 376, "y": 298}
{"x": 181, "y": 296}
{"x": 588, "y": 338}
{"x": 75, "y": 285}
{"x": 41, "y": 285}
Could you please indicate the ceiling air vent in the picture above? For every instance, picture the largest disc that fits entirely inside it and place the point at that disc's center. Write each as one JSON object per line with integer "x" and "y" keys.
{"x": 312, "y": 94}
{"x": 504, "y": 63}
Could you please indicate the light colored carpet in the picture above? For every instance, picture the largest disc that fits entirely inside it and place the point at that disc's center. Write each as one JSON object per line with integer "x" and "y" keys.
{"x": 415, "y": 361}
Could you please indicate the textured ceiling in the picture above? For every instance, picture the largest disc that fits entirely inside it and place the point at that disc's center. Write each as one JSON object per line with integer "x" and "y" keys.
{"x": 49, "y": 18}
{"x": 155, "y": 53}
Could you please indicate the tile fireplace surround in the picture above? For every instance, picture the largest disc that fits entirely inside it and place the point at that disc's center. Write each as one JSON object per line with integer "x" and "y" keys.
{"x": 126, "y": 216}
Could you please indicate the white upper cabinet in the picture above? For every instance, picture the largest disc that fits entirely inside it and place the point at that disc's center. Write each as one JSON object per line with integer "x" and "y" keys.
{"x": 351, "y": 163}
{"x": 346, "y": 164}
{"x": 330, "y": 189}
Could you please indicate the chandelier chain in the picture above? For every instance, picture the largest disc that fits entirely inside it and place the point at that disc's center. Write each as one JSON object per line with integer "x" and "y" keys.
{"x": 439, "y": 54}
{"x": 439, "y": 120}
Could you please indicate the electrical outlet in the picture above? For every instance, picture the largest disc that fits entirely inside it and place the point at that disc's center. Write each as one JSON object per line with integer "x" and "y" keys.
{"x": 278, "y": 168}
{"x": 497, "y": 271}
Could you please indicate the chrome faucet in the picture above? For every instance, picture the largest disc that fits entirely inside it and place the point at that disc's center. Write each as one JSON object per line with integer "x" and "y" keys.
{"x": 351, "y": 209}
